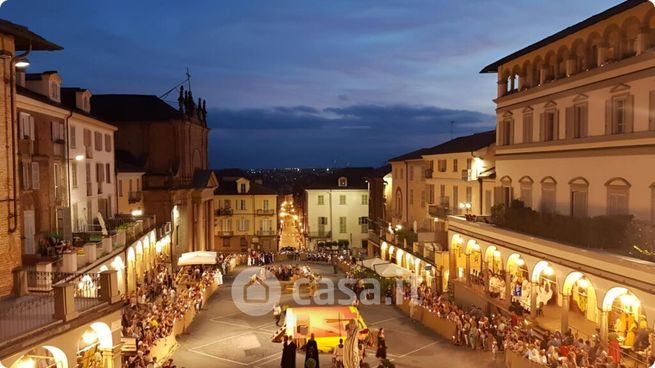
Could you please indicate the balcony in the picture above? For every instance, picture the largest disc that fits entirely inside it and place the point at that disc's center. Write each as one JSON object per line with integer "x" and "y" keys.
{"x": 266, "y": 233}
{"x": 134, "y": 197}
{"x": 428, "y": 173}
{"x": 320, "y": 234}
{"x": 267, "y": 212}
{"x": 224, "y": 212}
{"x": 225, "y": 233}
{"x": 439, "y": 211}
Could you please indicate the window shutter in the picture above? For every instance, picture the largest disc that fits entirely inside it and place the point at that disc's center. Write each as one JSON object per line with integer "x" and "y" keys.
{"x": 556, "y": 125}
{"x": 608, "y": 117}
{"x": 35, "y": 175}
{"x": 499, "y": 139}
{"x": 569, "y": 122}
{"x": 542, "y": 126}
{"x": 584, "y": 123}
{"x": 22, "y": 125}
{"x": 31, "y": 134}
{"x": 73, "y": 138}
{"x": 511, "y": 131}
{"x": 629, "y": 113}
{"x": 651, "y": 118}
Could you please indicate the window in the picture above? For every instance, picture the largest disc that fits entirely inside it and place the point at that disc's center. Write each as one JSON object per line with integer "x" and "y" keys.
{"x": 548, "y": 199}
{"x": 442, "y": 165}
{"x": 579, "y": 197}
{"x": 108, "y": 172}
{"x": 242, "y": 188}
{"x": 35, "y": 176}
{"x": 579, "y": 128}
{"x": 343, "y": 182}
{"x": 26, "y": 178}
{"x": 322, "y": 221}
{"x": 455, "y": 199}
{"x": 527, "y": 128}
{"x": 526, "y": 192}
{"x": 72, "y": 140}
{"x": 26, "y": 126}
{"x": 455, "y": 165}
{"x": 469, "y": 195}
{"x": 342, "y": 225}
{"x": 227, "y": 203}
{"x": 120, "y": 188}
{"x": 619, "y": 114}
{"x": 364, "y": 199}
{"x": 138, "y": 185}
{"x": 54, "y": 90}
{"x": 363, "y": 222}
{"x": 469, "y": 163}
{"x": 411, "y": 197}
{"x": 98, "y": 141}
{"x": 618, "y": 191}
{"x": 506, "y": 132}
{"x": 442, "y": 191}
{"x": 108, "y": 143}
{"x": 411, "y": 173}
{"x": 58, "y": 134}
{"x": 321, "y": 200}
{"x": 243, "y": 224}
{"x": 265, "y": 204}
{"x": 549, "y": 126}
{"x": 342, "y": 199}
{"x": 100, "y": 170}
{"x": 74, "y": 174}
{"x": 87, "y": 138}
{"x": 242, "y": 204}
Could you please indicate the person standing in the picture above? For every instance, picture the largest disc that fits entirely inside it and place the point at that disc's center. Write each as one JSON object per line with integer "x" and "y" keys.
{"x": 311, "y": 351}
{"x": 338, "y": 355}
{"x": 284, "y": 363}
{"x": 382, "y": 345}
{"x": 289, "y": 353}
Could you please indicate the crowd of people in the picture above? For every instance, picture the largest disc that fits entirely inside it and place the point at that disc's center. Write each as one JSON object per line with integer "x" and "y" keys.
{"x": 161, "y": 299}
{"x": 498, "y": 332}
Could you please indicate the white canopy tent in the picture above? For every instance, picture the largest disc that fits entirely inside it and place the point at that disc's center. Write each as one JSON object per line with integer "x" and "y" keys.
{"x": 197, "y": 258}
{"x": 371, "y": 262}
{"x": 391, "y": 270}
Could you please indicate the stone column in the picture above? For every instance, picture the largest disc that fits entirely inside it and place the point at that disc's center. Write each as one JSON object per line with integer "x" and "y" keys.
{"x": 65, "y": 302}
{"x": 565, "y": 312}
{"x": 109, "y": 291}
{"x": 642, "y": 41}
{"x": 107, "y": 358}
{"x": 543, "y": 74}
{"x": 533, "y": 299}
{"x": 570, "y": 66}
{"x": 502, "y": 88}
{"x": 508, "y": 286}
{"x": 602, "y": 54}
{"x": 468, "y": 269}
{"x": 604, "y": 327}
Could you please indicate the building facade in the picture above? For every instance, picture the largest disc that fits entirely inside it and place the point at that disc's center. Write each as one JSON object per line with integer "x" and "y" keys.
{"x": 575, "y": 128}
{"x": 336, "y": 210}
{"x": 246, "y": 215}
{"x": 129, "y": 191}
{"x": 170, "y": 146}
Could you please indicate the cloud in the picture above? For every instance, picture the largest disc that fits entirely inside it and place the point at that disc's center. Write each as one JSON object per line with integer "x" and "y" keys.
{"x": 303, "y": 136}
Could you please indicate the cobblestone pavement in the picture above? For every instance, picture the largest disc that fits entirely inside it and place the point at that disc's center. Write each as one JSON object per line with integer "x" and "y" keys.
{"x": 222, "y": 336}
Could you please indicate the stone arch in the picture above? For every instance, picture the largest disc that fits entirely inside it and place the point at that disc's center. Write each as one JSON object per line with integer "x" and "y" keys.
{"x": 630, "y": 30}
{"x": 104, "y": 334}
{"x": 526, "y": 179}
{"x": 399, "y": 202}
{"x": 527, "y": 75}
{"x": 537, "y": 64}
{"x": 47, "y": 352}
{"x": 579, "y": 54}
{"x": 493, "y": 258}
{"x": 516, "y": 259}
{"x": 613, "y": 38}
{"x": 579, "y": 180}
{"x": 618, "y": 181}
{"x": 563, "y": 55}
{"x": 548, "y": 179}
{"x": 550, "y": 63}
{"x": 594, "y": 43}
{"x": 575, "y": 281}
{"x": 506, "y": 181}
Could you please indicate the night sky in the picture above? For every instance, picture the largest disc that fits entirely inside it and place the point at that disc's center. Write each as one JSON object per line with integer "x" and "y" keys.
{"x": 302, "y": 83}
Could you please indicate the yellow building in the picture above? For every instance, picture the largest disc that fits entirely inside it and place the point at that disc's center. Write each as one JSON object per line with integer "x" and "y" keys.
{"x": 246, "y": 215}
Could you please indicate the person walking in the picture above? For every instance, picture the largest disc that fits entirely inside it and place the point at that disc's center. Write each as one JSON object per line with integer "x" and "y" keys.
{"x": 311, "y": 351}
{"x": 277, "y": 314}
{"x": 382, "y": 345}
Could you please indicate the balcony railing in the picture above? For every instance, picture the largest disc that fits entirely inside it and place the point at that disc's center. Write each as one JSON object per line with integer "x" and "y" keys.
{"x": 439, "y": 211}
{"x": 268, "y": 212}
{"x": 224, "y": 212}
{"x": 320, "y": 234}
{"x": 134, "y": 197}
{"x": 266, "y": 233}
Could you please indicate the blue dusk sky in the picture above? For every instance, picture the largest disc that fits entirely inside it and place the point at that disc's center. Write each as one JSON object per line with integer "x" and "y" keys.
{"x": 303, "y": 83}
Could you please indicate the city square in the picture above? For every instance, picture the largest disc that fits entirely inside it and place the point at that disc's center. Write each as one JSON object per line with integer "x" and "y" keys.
{"x": 345, "y": 184}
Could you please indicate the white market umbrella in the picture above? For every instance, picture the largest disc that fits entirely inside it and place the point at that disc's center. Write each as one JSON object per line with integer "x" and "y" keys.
{"x": 391, "y": 270}
{"x": 197, "y": 258}
{"x": 372, "y": 262}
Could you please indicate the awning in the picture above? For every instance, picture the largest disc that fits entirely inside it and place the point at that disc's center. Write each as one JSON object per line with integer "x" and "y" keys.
{"x": 197, "y": 258}
{"x": 369, "y": 263}
{"x": 391, "y": 270}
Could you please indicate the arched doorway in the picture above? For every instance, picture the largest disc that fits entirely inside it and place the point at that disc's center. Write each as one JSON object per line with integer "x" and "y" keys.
{"x": 457, "y": 258}
{"x": 519, "y": 280}
{"x": 579, "y": 294}
{"x": 497, "y": 284}
{"x": 544, "y": 283}
{"x": 625, "y": 317}
{"x": 42, "y": 357}
{"x": 118, "y": 265}
{"x": 474, "y": 262}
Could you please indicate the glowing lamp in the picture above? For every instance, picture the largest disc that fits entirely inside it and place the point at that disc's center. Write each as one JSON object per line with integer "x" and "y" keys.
{"x": 520, "y": 262}
{"x": 22, "y": 63}
{"x": 26, "y": 363}
{"x": 79, "y": 157}
{"x": 548, "y": 271}
{"x": 89, "y": 337}
{"x": 583, "y": 283}
{"x": 496, "y": 254}
{"x": 137, "y": 213}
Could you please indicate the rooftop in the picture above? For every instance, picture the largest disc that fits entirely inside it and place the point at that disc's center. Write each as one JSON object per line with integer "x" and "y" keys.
{"x": 228, "y": 186}
{"x": 25, "y": 39}
{"x": 468, "y": 143}
{"x": 629, "y": 4}
{"x": 118, "y": 108}
{"x": 356, "y": 179}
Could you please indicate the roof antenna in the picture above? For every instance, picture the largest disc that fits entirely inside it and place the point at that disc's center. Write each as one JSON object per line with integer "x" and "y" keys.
{"x": 188, "y": 77}
{"x": 187, "y": 80}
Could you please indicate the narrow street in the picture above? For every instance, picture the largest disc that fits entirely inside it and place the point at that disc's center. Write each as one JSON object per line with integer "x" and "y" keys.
{"x": 290, "y": 235}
